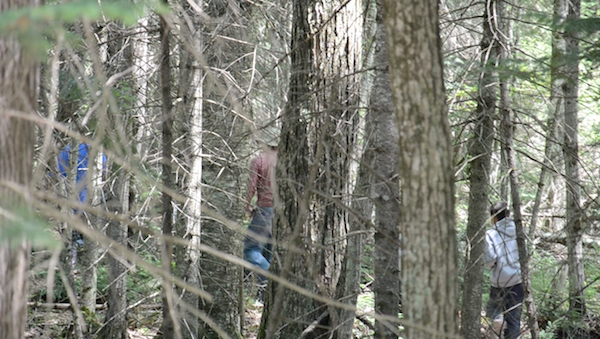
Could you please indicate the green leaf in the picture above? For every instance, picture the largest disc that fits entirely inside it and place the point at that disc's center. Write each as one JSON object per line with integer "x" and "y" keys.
{"x": 583, "y": 26}
{"x": 25, "y": 225}
{"x": 36, "y": 27}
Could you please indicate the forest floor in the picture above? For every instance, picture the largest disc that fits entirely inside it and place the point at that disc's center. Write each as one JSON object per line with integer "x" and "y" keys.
{"x": 56, "y": 324}
{"x": 144, "y": 324}
{"x": 252, "y": 319}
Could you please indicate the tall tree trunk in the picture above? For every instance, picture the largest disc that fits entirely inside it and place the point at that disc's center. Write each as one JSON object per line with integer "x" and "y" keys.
{"x": 555, "y": 121}
{"x": 88, "y": 254}
{"x": 120, "y": 59}
{"x": 191, "y": 109}
{"x": 141, "y": 74}
{"x": 115, "y": 324}
{"x": 429, "y": 247}
{"x": 574, "y": 227}
{"x": 19, "y": 81}
{"x": 480, "y": 151}
{"x": 335, "y": 56}
{"x": 88, "y": 258}
{"x": 225, "y": 180}
{"x": 386, "y": 192}
{"x": 508, "y": 132}
{"x": 292, "y": 167}
{"x": 360, "y": 223}
{"x": 170, "y": 327}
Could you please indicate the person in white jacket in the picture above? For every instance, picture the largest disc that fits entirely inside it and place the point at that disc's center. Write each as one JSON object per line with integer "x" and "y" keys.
{"x": 502, "y": 258}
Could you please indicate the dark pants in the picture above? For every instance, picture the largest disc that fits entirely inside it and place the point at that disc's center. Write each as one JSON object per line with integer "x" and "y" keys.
{"x": 508, "y": 302}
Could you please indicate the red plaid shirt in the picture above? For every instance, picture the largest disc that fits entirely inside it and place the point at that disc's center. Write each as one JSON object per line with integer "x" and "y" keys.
{"x": 261, "y": 168}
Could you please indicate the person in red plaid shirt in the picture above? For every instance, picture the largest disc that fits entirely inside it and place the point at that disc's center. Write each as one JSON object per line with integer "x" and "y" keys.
{"x": 257, "y": 246}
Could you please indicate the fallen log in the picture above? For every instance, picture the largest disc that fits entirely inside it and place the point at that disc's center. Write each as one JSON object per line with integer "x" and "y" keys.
{"x": 66, "y": 306}
{"x": 59, "y": 306}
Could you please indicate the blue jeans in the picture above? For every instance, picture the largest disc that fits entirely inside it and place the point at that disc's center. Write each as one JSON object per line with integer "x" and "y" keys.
{"x": 257, "y": 248}
{"x": 507, "y": 301}
{"x": 255, "y": 257}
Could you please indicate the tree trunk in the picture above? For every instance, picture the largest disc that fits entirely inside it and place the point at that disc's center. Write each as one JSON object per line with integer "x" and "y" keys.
{"x": 119, "y": 59}
{"x": 88, "y": 254}
{"x": 508, "y": 130}
{"x": 574, "y": 227}
{"x": 292, "y": 206}
{"x": 429, "y": 260}
{"x": 191, "y": 109}
{"x": 334, "y": 54}
{"x": 360, "y": 223}
{"x": 19, "y": 81}
{"x": 386, "y": 193}
{"x": 115, "y": 324}
{"x": 555, "y": 121}
{"x": 141, "y": 73}
{"x": 481, "y": 152}
{"x": 170, "y": 327}
{"x": 227, "y": 138}
{"x": 559, "y": 284}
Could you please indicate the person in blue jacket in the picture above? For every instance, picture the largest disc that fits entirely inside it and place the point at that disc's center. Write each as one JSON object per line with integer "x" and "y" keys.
{"x": 64, "y": 159}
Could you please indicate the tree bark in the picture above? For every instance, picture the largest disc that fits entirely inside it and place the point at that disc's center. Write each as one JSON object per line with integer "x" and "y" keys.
{"x": 225, "y": 180}
{"x": 292, "y": 169}
{"x": 19, "y": 82}
{"x": 170, "y": 327}
{"x": 555, "y": 122}
{"x": 481, "y": 152}
{"x": 116, "y": 198}
{"x": 191, "y": 109}
{"x": 386, "y": 191}
{"x": 360, "y": 224}
{"x": 429, "y": 260}
{"x": 574, "y": 228}
{"x": 115, "y": 324}
{"x": 332, "y": 55}
{"x": 141, "y": 73}
{"x": 89, "y": 253}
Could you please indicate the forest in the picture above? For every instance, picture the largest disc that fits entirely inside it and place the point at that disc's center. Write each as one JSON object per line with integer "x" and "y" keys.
{"x": 129, "y": 133}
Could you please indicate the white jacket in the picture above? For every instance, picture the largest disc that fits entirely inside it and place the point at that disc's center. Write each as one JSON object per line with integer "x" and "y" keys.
{"x": 502, "y": 254}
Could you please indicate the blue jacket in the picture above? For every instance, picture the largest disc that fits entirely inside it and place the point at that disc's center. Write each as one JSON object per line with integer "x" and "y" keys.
{"x": 82, "y": 167}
